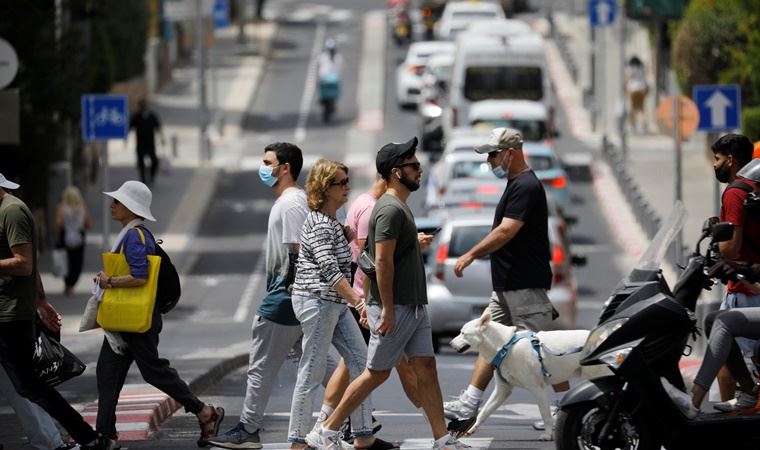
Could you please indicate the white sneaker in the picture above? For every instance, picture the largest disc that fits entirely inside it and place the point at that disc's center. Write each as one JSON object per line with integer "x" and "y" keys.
{"x": 461, "y": 408}
{"x": 319, "y": 442}
{"x": 681, "y": 399}
{"x": 742, "y": 401}
{"x": 452, "y": 444}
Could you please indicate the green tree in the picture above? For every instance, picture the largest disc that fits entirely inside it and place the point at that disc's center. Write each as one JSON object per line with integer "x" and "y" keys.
{"x": 103, "y": 43}
{"x": 718, "y": 41}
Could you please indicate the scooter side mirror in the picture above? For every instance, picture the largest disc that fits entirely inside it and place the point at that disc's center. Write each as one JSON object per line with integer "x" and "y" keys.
{"x": 709, "y": 222}
{"x": 722, "y": 231}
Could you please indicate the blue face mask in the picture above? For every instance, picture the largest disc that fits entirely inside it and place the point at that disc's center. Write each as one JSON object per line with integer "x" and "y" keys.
{"x": 265, "y": 173}
{"x": 499, "y": 172}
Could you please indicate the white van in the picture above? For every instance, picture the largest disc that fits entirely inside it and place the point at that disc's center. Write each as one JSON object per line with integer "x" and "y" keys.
{"x": 500, "y": 68}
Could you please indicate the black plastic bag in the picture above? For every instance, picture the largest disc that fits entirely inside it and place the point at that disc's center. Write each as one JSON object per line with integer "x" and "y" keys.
{"x": 54, "y": 363}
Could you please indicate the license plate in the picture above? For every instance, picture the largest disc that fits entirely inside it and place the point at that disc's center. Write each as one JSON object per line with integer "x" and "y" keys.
{"x": 477, "y": 311}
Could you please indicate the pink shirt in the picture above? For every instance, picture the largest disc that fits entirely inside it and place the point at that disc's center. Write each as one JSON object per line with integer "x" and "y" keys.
{"x": 358, "y": 219}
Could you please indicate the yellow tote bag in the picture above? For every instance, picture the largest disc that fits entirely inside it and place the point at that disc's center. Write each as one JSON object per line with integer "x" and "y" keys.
{"x": 128, "y": 309}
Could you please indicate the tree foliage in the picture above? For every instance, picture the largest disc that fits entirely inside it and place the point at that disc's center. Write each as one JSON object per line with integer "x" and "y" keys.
{"x": 102, "y": 42}
{"x": 718, "y": 41}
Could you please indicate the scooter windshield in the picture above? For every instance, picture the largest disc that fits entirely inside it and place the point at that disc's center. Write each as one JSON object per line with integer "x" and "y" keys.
{"x": 654, "y": 254}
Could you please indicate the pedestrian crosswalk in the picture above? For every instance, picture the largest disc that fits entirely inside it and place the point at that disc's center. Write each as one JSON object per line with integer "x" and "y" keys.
{"x": 308, "y": 12}
{"x": 406, "y": 444}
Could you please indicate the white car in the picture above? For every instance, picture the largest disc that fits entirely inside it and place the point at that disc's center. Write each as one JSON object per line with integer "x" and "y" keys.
{"x": 507, "y": 28}
{"x": 531, "y": 118}
{"x": 409, "y": 72}
{"x": 457, "y": 16}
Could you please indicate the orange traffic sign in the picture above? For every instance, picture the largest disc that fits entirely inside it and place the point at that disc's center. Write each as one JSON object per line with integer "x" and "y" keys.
{"x": 688, "y": 120}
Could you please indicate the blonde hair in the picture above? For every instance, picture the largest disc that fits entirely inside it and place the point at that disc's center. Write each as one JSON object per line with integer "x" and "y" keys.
{"x": 72, "y": 198}
{"x": 321, "y": 175}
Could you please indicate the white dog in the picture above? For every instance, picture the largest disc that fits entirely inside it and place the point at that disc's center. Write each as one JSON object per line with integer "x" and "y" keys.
{"x": 521, "y": 366}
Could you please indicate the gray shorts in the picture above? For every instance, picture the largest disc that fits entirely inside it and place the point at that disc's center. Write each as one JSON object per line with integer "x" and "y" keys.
{"x": 527, "y": 309}
{"x": 411, "y": 335}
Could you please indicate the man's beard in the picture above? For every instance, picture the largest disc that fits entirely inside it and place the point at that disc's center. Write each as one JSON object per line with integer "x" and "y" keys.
{"x": 410, "y": 183}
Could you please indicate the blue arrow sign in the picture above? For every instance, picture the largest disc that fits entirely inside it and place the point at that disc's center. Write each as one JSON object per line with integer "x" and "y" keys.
{"x": 719, "y": 106}
{"x": 104, "y": 117}
{"x": 602, "y": 13}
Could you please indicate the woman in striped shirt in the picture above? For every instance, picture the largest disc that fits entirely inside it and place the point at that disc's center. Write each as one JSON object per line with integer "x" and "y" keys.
{"x": 321, "y": 289}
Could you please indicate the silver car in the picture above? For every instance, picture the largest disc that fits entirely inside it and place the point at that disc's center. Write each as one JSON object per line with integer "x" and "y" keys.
{"x": 452, "y": 301}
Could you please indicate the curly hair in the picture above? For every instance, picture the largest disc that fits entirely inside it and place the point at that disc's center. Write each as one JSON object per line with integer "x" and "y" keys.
{"x": 321, "y": 175}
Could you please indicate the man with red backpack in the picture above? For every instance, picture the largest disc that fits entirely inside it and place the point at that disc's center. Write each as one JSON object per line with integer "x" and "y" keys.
{"x": 731, "y": 153}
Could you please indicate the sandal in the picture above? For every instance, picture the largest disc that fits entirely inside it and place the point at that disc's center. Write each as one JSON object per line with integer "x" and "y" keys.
{"x": 380, "y": 444}
{"x": 210, "y": 426}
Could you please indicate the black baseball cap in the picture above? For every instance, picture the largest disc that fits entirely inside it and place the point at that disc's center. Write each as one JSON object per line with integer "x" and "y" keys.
{"x": 389, "y": 155}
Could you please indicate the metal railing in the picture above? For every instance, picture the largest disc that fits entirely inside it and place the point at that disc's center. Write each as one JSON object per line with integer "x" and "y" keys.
{"x": 642, "y": 210}
{"x": 561, "y": 41}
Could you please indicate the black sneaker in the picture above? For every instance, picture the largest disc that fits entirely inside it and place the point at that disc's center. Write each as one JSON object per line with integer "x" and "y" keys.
{"x": 101, "y": 443}
{"x": 68, "y": 446}
{"x": 237, "y": 438}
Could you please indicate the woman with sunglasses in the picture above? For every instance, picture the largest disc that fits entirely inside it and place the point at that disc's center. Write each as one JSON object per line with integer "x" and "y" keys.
{"x": 131, "y": 207}
{"x": 320, "y": 292}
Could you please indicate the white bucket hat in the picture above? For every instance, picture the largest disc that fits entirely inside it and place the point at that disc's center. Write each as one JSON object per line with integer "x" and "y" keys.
{"x": 136, "y": 197}
{"x": 6, "y": 184}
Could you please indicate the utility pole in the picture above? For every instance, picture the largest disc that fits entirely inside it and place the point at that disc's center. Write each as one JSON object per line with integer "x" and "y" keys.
{"x": 202, "y": 106}
{"x": 623, "y": 91}
{"x": 677, "y": 188}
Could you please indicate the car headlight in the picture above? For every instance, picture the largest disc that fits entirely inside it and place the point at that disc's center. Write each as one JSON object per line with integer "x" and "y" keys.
{"x": 616, "y": 358}
{"x": 601, "y": 333}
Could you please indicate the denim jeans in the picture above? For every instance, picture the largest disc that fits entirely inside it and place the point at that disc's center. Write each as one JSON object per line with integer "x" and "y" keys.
{"x": 36, "y": 423}
{"x": 324, "y": 322}
{"x": 740, "y": 300}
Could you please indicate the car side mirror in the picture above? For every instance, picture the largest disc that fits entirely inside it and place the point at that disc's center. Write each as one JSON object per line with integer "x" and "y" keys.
{"x": 722, "y": 231}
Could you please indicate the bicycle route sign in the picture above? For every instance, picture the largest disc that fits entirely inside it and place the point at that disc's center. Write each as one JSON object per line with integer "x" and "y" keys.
{"x": 104, "y": 117}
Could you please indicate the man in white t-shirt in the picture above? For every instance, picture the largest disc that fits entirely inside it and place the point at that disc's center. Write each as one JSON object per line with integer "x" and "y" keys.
{"x": 275, "y": 328}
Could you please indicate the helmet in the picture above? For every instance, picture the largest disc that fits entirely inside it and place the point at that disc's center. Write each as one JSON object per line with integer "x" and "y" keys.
{"x": 751, "y": 171}
{"x": 330, "y": 44}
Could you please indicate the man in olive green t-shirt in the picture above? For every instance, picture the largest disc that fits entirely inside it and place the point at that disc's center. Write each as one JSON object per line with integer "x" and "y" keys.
{"x": 396, "y": 312}
{"x": 20, "y": 294}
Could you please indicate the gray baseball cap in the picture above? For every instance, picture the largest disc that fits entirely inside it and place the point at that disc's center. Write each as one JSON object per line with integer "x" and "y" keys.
{"x": 501, "y": 139}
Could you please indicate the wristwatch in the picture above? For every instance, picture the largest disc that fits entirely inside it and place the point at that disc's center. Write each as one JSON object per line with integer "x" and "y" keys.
{"x": 108, "y": 283}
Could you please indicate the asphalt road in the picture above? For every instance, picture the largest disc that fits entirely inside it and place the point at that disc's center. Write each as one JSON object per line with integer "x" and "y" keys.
{"x": 222, "y": 281}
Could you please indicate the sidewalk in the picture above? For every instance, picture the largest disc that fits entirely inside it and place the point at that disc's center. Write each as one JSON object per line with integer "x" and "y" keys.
{"x": 650, "y": 158}
{"x": 183, "y": 186}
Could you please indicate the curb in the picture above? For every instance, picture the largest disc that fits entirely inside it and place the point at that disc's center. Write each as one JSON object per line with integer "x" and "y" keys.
{"x": 142, "y": 408}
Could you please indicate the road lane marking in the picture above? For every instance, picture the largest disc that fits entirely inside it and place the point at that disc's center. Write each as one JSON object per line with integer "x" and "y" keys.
{"x": 241, "y": 314}
{"x": 311, "y": 81}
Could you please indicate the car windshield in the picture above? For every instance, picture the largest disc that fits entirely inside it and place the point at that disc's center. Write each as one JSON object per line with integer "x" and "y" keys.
{"x": 482, "y": 170}
{"x": 465, "y": 237}
{"x": 532, "y": 130}
{"x": 503, "y": 82}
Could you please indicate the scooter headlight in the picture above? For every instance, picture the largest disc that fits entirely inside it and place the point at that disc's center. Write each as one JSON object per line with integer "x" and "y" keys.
{"x": 616, "y": 358}
{"x": 601, "y": 333}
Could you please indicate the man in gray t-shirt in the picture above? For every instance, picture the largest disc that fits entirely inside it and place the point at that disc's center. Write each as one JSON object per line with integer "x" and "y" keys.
{"x": 396, "y": 311}
{"x": 391, "y": 219}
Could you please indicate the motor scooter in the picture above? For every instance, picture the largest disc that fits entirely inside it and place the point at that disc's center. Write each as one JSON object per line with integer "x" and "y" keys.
{"x": 401, "y": 23}
{"x": 642, "y": 333}
{"x": 329, "y": 92}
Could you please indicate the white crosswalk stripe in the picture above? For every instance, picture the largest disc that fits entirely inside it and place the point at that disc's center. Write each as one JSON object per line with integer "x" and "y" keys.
{"x": 309, "y": 12}
{"x": 407, "y": 444}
